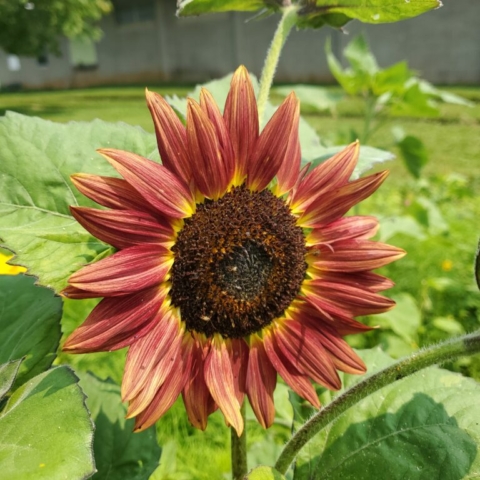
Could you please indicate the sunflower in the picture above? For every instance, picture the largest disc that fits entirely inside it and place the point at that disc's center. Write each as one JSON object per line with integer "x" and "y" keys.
{"x": 233, "y": 264}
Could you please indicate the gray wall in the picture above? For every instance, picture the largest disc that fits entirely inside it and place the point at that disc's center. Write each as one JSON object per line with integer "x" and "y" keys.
{"x": 442, "y": 45}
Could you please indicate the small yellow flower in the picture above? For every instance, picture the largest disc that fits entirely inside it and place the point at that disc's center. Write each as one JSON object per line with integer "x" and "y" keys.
{"x": 447, "y": 265}
{"x": 6, "y": 269}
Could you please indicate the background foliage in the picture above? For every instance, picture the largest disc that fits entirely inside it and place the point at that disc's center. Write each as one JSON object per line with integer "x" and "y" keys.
{"x": 33, "y": 28}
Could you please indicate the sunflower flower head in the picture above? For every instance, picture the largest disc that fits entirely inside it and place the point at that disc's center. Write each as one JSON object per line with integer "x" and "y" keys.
{"x": 233, "y": 264}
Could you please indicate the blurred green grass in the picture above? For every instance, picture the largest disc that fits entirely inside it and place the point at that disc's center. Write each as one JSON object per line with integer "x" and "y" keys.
{"x": 452, "y": 138}
{"x": 453, "y": 143}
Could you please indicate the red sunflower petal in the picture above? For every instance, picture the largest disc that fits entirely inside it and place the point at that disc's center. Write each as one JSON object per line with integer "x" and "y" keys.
{"x": 77, "y": 293}
{"x": 272, "y": 144}
{"x": 339, "y": 319}
{"x": 110, "y": 192}
{"x": 297, "y": 381}
{"x": 220, "y": 381}
{"x": 366, "y": 280}
{"x": 342, "y": 355}
{"x": 171, "y": 137}
{"x": 151, "y": 351}
{"x": 344, "y": 229}
{"x": 116, "y": 322}
{"x": 238, "y": 351}
{"x": 241, "y": 118}
{"x": 125, "y": 272}
{"x": 261, "y": 382}
{"x": 198, "y": 402}
{"x": 335, "y": 203}
{"x": 307, "y": 354}
{"x": 208, "y": 105}
{"x": 357, "y": 255}
{"x": 169, "y": 391}
{"x": 354, "y": 300}
{"x": 214, "y": 166}
{"x": 124, "y": 228}
{"x": 146, "y": 396}
{"x": 288, "y": 173}
{"x": 327, "y": 176}
{"x": 156, "y": 183}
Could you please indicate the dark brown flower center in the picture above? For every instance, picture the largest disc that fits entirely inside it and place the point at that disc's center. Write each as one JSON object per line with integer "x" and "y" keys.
{"x": 238, "y": 263}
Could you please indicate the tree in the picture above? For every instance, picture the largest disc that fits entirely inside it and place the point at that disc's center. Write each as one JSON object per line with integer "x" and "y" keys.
{"x": 30, "y": 28}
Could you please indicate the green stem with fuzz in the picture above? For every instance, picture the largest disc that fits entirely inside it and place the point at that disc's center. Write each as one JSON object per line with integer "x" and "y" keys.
{"x": 283, "y": 29}
{"x": 449, "y": 350}
{"x": 239, "y": 449}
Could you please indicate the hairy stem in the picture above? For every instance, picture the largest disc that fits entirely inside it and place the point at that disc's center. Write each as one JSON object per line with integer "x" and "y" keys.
{"x": 283, "y": 29}
{"x": 442, "y": 352}
{"x": 239, "y": 450}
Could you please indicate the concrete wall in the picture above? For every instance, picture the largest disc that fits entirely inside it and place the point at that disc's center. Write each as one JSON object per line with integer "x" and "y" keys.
{"x": 443, "y": 45}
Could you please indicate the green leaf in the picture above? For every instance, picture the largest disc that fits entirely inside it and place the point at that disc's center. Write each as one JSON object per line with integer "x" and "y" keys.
{"x": 119, "y": 453}
{"x": 361, "y": 59}
{"x": 444, "y": 96}
{"x": 45, "y": 430}
{"x": 424, "y": 426}
{"x": 315, "y": 14}
{"x": 264, "y": 473}
{"x": 392, "y": 79}
{"x": 8, "y": 373}
{"x": 414, "y": 102}
{"x": 368, "y": 11}
{"x": 448, "y": 325}
{"x": 349, "y": 80}
{"x": 29, "y": 324}
{"x": 427, "y": 213}
{"x": 414, "y": 154}
{"x": 37, "y": 158}
{"x": 318, "y": 98}
{"x": 404, "y": 224}
{"x": 197, "y": 7}
{"x": 404, "y": 319}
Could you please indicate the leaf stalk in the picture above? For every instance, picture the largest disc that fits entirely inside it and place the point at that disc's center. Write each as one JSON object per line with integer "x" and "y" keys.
{"x": 436, "y": 354}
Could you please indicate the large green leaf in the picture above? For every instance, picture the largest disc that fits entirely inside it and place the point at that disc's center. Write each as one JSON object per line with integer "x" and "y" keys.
{"x": 315, "y": 14}
{"x": 8, "y": 373}
{"x": 374, "y": 11}
{"x": 37, "y": 158}
{"x": 197, "y": 7}
{"x": 424, "y": 426}
{"x": 29, "y": 324}
{"x": 119, "y": 453}
{"x": 45, "y": 430}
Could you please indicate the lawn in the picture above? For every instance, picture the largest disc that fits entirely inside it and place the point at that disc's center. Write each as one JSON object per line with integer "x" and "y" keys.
{"x": 434, "y": 282}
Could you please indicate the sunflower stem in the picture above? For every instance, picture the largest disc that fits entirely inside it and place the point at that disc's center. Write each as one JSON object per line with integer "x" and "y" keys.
{"x": 440, "y": 353}
{"x": 281, "y": 33}
{"x": 239, "y": 449}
